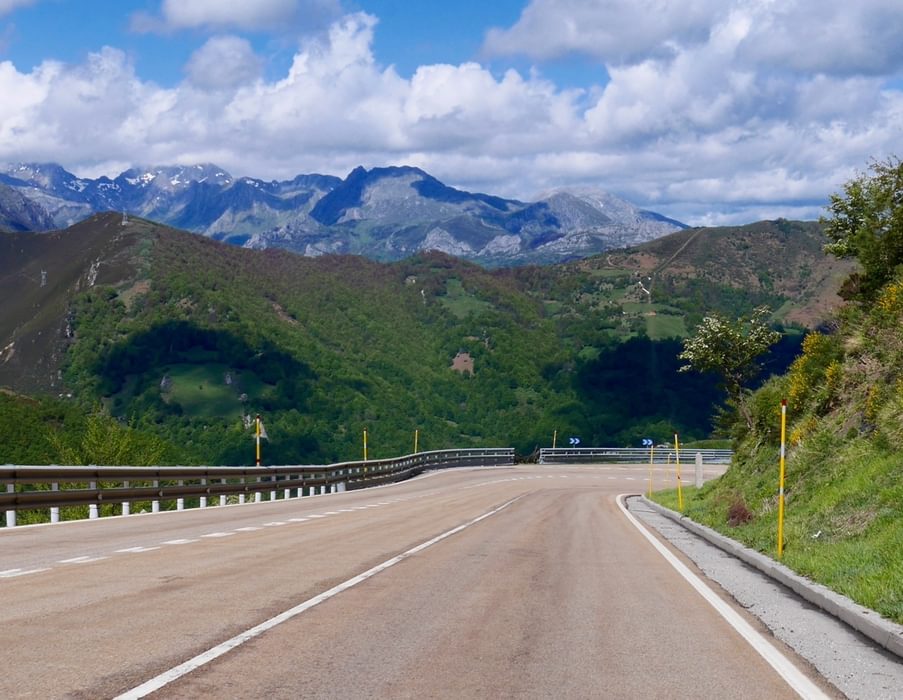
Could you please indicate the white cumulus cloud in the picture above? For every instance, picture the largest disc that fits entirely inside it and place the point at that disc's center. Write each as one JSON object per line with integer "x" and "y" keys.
{"x": 249, "y": 16}
{"x": 701, "y": 122}
{"x": 223, "y": 62}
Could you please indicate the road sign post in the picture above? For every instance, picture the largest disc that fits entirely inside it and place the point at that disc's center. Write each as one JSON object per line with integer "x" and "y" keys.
{"x": 651, "y": 445}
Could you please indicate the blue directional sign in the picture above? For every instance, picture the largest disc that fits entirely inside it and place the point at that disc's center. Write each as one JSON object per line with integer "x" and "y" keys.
{"x": 574, "y": 441}
{"x": 647, "y": 442}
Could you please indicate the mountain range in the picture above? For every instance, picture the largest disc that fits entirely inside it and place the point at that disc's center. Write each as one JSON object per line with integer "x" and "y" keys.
{"x": 385, "y": 214}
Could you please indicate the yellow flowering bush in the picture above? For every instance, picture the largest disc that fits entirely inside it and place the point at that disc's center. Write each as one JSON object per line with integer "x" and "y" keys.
{"x": 816, "y": 370}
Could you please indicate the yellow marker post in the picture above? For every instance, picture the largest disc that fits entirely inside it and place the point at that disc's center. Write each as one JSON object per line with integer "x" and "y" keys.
{"x": 257, "y": 440}
{"x": 680, "y": 493}
{"x": 781, "y": 486}
{"x": 365, "y": 444}
{"x": 554, "y": 439}
{"x": 416, "y": 440}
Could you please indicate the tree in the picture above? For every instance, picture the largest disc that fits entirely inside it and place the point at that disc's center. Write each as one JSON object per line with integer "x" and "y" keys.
{"x": 729, "y": 349}
{"x": 104, "y": 442}
{"x": 866, "y": 223}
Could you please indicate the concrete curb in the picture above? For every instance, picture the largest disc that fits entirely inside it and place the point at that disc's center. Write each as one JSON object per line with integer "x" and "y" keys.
{"x": 885, "y": 633}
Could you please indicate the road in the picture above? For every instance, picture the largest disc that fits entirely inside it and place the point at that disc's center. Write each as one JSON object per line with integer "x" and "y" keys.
{"x": 525, "y": 582}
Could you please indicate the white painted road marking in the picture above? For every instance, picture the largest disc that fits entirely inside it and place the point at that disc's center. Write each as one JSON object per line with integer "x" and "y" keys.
{"x": 136, "y": 550}
{"x": 12, "y": 573}
{"x": 167, "y": 677}
{"x": 80, "y": 560}
{"x": 218, "y": 534}
{"x": 182, "y": 541}
{"x": 780, "y": 663}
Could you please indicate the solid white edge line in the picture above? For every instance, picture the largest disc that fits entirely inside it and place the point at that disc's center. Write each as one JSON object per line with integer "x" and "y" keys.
{"x": 795, "y": 678}
{"x": 167, "y": 677}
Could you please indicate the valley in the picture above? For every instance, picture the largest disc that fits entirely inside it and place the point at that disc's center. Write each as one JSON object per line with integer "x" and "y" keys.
{"x": 182, "y": 337}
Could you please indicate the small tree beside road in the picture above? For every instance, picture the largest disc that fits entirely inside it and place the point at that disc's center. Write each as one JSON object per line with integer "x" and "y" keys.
{"x": 730, "y": 350}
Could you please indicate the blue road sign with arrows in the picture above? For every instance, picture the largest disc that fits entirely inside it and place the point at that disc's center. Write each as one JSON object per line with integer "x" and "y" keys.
{"x": 574, "y": 441}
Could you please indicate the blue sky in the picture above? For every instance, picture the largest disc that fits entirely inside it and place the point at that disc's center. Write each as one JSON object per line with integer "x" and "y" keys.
{"x": 709, "y": 111}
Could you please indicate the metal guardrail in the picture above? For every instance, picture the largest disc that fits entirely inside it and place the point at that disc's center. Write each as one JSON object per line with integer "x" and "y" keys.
{"x": 629, "y": 455}
{"x": 54, "y": 487}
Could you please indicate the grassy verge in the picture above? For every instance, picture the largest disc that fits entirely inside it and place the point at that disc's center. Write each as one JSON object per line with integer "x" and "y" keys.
{"x": 843, "y": 524}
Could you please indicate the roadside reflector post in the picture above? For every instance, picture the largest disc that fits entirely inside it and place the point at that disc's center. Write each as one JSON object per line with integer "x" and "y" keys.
{"x": 10, "y": 514}
{"x": 203, "y": 500}
{"x": 92, "y": 507}
{"x": 651, "y": 462}
{"x": 680, "y": 493}
{"x": 365, "y": 444}
{"x": 180, "y": 502}
{"x": 781, "y": 483}
{"x": 55, "y": 510}
{"x": 554, "y": 439}
{"x": 416, "y": 441}
{"x": 698, "y": 480}
{"x": 155, "y": 504}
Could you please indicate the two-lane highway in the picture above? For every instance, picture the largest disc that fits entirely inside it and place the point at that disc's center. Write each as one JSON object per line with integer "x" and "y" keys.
{"x": 519, "y": 582}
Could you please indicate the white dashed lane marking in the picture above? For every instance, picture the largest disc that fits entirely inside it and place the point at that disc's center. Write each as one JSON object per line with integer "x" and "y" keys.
{"x": 80, "y": 560}
{"x": 218, "y": 534}
{"x": 136, "y": 550}
{"x": 183, "y": 541}
{"x": 12, "y": 573}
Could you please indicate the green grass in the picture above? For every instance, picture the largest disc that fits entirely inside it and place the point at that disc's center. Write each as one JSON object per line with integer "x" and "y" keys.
{"x": 663, "y": 326}
{"x": 202, "y": 392}
{"x": 460, "y": 302}
{"x": 842, "y": 528}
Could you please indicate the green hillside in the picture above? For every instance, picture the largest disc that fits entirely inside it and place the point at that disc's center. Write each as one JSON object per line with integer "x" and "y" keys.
{"x": 844, "y": 393}
{"x": 185, "y": 338}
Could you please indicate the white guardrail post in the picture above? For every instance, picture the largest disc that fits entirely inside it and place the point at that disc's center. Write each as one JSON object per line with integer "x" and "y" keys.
{"x": 55, "y": 511}
{"x": 10, "y": 514}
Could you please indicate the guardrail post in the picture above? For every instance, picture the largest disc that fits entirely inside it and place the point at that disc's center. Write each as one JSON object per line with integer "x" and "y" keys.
{"x": 10, "y": 514}
{"x": 92, "y": 508}
{"x": 155, "y": 504}
{"x": 55, "y": 510}
{"x": 341, "y": 487}
{"x": 203, "y": 500}
{"x": 698, "y": 482}
{"x": 126, "y": 506}
{"x": 180, "y": 502}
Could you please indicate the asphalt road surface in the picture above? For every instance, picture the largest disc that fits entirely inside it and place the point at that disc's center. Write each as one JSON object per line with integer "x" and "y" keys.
{"x": 527, "y": 582}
